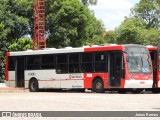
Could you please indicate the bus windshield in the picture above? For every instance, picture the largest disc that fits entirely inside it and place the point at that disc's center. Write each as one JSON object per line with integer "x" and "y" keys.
{"x": 138, "y": 60}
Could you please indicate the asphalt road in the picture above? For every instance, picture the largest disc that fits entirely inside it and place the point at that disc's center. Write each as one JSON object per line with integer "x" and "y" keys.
{"x": 72, "y": 101}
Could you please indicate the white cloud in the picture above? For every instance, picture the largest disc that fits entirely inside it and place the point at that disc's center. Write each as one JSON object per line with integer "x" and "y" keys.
{"x": 112, "y": 12}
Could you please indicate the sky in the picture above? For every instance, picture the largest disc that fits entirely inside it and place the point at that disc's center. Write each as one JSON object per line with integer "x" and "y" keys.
{"x": 112, "y": 12}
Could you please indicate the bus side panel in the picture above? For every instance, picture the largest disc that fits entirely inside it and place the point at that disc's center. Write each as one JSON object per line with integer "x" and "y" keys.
{"x": 26, "y": 84}
{"x": 72, "y": 84}
{"x": 9, "y": 75}
{"x": 46, "y": 78}
{"x": 50, "y": 79}
{"x": 11, "y": 79}
{"x": 89, "y": 77}
{"x": 44, "y": 84}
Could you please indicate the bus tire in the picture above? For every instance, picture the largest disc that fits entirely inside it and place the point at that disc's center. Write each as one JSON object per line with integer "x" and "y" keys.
{"x": 98, "y": 86}
{"x": 33, "y": 85}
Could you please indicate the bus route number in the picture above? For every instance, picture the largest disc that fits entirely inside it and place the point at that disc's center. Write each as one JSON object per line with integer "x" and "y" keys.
{"x": 31, "y": 74}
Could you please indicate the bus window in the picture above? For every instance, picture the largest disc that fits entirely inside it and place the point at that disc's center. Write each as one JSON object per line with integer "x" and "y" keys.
{"x": 138, "y": 60}
{"x": 100, "y": 62}
{"x": 87, "y": 62}
{"x": 48, "y": 62}
{"x": 62, "y": 66}
{"x": 74, "y": 63}
{"x": 33, "y": 62}
{"x": 11, "y": 66}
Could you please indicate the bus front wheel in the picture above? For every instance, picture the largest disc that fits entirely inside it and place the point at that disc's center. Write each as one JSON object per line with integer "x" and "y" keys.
{"x": 33, "y": 85}
{"x": 98, "y": 86}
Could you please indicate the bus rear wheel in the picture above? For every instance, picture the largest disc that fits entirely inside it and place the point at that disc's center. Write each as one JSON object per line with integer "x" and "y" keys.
{"x": 98, "y": 86}
{"x": 33, "y": 85}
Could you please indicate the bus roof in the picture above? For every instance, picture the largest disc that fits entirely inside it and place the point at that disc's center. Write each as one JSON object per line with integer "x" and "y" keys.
{"x": 72, "y": 50}
{"x": 152, "y": 48}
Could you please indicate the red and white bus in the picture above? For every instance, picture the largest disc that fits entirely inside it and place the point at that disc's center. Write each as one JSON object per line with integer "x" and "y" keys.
{"x": 98, "y": 68}
{"x": 155, "y": 57}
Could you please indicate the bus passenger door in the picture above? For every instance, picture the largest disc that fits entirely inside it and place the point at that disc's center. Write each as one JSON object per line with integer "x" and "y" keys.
{"x": 114, "y": 68}
{"x": 20, "y": 72}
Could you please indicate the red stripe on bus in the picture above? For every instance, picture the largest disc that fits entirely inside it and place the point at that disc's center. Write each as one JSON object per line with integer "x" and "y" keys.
{"x": 103, "y": 48}
{"x": 152, "y": 48}
{"x": 53, "y": 80}
{"x": 7, "y": 73}
{"x": 59, "y": 80}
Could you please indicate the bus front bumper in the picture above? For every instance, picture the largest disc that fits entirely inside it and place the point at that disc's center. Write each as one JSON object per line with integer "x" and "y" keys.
{"x": 138, "y": 83}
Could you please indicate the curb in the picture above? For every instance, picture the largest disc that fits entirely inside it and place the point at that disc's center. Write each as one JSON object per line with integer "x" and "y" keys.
{"x": 8, "y": 88}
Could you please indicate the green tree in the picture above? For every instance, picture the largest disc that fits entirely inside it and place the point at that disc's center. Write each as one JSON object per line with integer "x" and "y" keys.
{"x": 69, "y": 23}
{"x": 110, "y": 37}
{"x": 16, "y": 21}
{"x": 143, "y": 26}
{"x": 21, "y": 44}
{"x": 129, "y": 31}
{"x": 148, "y": 11}
{"x": 89, "y": 2}
{"x": 3, "y": 44}
{"x": 133, "y": 31}
{"x": 16, "y": 15}
{"x": 149, "y": 36}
